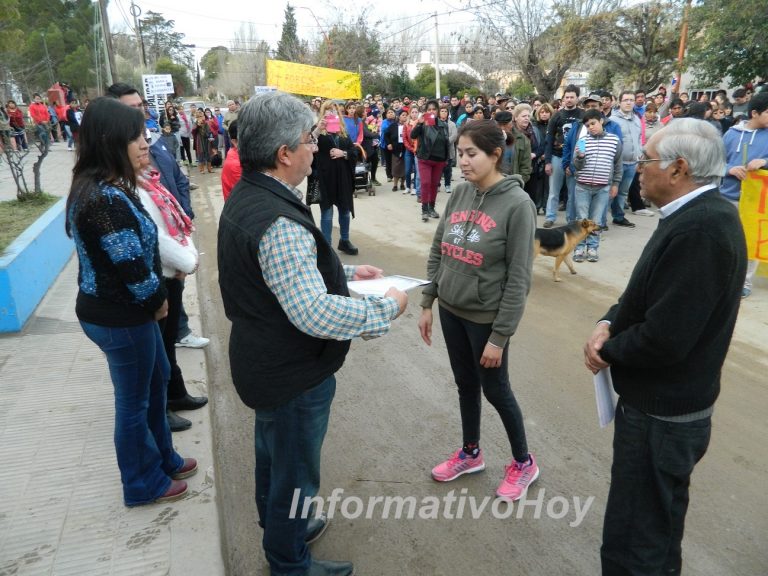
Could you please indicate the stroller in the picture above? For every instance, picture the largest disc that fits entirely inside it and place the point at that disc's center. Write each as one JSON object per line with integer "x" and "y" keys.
{"x": 363, "y": 175}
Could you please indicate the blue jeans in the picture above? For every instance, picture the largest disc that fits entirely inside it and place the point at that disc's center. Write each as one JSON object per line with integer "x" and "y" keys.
{"x": 648, "y": 498}
{"x": 326, "y": 224}
{"x": 288, "y": 442}
{"x": 139, "y": 370}
{"x": 591, "y": 203}
{"x": 555, "y": 183}
{"x": 410, "y": 169}
{"x": 617, "y": 205}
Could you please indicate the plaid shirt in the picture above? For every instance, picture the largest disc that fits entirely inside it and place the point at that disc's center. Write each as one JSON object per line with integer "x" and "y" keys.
{"x": 288, "y": 260}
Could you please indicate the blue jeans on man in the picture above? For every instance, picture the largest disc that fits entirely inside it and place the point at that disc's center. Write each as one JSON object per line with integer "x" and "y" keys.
{"x": 555, "y": 184}
{"x": 288, "y": 442}
{"x": 591, "y": 202}
{"x": 140, "y": 370}
{"x": 617, "y": 205}
{"x": 645, "y": 515}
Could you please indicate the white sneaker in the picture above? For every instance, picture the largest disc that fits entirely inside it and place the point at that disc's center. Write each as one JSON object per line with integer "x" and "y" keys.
{"x": 407, "y": 191}
{"x": 644, "y": 212}
{"x": 192, "y": 341}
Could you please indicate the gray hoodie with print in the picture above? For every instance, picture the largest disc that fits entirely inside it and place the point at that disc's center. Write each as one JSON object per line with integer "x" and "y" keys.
{"x": 482, "y": 254}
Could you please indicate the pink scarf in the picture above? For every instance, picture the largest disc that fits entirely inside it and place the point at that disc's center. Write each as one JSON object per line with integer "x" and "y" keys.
{"x": 176, "y": 221}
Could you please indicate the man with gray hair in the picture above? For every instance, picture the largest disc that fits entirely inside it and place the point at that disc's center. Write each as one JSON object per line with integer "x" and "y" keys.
{"x": 285, "y": 291}
{"x": 665, "y": 342}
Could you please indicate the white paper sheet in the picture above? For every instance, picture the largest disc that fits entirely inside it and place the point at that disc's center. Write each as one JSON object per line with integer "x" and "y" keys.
{"x": 379, "y": 286}
{"x": 605, "y": 396}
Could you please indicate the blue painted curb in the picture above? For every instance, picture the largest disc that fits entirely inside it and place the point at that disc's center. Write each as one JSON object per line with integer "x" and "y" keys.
{"x": 30, "y": 265}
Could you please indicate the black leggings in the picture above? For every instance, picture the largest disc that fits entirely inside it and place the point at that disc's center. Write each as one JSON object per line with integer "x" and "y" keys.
{"x": 374, "y": 160}
{"x": 466, "y": 341}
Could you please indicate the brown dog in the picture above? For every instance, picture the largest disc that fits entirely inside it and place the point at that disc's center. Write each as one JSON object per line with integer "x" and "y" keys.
{"x": 560, "y": 242}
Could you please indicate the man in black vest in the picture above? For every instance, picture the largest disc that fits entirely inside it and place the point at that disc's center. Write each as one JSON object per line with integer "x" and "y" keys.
{"x": 665, "y": 342}
{"x": 285, "y": 291}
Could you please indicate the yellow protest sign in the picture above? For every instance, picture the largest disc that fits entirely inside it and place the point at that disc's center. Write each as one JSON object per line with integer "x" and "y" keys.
{"x": 313, "y": 80}
{"x": 753, "y": 209}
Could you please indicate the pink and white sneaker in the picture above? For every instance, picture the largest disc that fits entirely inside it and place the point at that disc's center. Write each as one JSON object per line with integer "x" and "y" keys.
{"x": 459, "y": 463}
{"x": 517, "y": 478}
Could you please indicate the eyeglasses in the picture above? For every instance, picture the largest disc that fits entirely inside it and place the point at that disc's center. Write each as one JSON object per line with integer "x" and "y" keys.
{"x": 645, "y": 160}
{"x": 510, "y": 107}
{"x": 215, "y": 109}
{"x": 311, "y": 142}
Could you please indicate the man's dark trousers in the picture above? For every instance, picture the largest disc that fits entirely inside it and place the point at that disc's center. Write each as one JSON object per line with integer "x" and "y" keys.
{"x": 645, "y": 516}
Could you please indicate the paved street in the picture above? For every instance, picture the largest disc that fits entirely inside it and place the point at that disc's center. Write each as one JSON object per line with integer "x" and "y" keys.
{"x": 395, "y": 415}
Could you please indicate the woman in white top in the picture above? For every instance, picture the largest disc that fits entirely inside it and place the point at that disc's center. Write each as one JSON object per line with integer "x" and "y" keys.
{"x": 179, "y": 258}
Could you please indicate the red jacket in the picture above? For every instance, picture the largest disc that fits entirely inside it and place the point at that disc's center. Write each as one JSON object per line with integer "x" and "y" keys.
{"x": 230, "y": 174}
{"x": 39, "y": 112}
{"x": 16, "y": 119}
{"x": 61, "y": 112}
{"x": 409, "y": 144}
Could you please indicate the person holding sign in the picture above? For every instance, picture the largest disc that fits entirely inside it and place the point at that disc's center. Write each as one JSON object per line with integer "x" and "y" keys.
{"x": 746, "y": 149}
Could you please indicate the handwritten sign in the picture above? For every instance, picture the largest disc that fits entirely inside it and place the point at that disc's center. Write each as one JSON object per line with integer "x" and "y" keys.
{"x": 313, "y": 80}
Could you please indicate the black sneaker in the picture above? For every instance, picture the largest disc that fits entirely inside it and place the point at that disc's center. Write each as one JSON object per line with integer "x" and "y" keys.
{"x": 424, "y": 215}
{"x": 348, "y": 248}
{"x": 624, "y": 223}
{"x": 433, "y": 213}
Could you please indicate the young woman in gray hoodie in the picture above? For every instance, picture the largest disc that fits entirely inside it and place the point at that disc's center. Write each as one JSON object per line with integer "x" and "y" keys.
{"x": 480, "y": 271}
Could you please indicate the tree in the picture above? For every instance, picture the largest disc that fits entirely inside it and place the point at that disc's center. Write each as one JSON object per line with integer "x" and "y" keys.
{"x": 65, "y": 25}
{"x": 728, "y": 41}
{"x": 349, "y": 47}
{"x": 161, "y": 39}
{"x": 639, "y": 43}
{"x": 544, "y": 41}
{"x": 457, "y": 82}
{"x": 521, "y": 89}
{"x": 213, "y": 62}
{"x": 425, "y": 82}
{"x": 290, "y": 47}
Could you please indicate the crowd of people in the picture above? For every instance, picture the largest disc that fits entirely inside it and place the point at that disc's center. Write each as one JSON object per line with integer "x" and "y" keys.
{"x": 284, "y": 286}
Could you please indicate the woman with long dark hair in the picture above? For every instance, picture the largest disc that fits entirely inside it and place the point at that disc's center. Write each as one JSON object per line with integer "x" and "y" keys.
{"x": 122, "y": 296}
{"x": 480, "y": 267}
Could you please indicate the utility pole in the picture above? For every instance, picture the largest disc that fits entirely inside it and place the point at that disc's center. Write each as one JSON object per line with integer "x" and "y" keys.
{"x": 96, "y": 50}
{"x": 437, "y": 61}
{"x": 136, "y": 12}
{"x": 47, "y": 58}
{"x": 681, "y": 51}
{"x": 111, "y": 68}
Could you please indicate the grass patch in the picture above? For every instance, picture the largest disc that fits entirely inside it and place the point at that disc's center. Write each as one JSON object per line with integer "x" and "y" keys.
{"x": 15, "y": 216}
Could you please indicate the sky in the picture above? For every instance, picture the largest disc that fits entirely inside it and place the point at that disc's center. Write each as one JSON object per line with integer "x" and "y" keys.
{"x": 206, "y": 26}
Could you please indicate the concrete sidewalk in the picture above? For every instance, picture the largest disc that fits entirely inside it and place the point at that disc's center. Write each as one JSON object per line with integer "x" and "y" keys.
{"x": 61, "y": 507}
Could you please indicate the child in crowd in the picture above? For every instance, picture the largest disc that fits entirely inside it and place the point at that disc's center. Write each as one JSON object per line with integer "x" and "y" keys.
{"x": 598, "y": 169}
{"x": 170, "y": 141}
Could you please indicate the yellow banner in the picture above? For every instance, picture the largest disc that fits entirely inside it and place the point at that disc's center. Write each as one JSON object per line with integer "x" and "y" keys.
{"x": 313, "y": 80}
{"x": 753, "y": 209}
